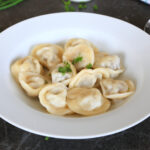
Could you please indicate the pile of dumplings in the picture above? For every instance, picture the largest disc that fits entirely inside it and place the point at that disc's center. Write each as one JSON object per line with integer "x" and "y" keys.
{"x": 76, "y": 79}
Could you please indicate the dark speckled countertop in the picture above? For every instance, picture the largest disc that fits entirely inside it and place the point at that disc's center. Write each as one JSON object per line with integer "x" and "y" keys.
{"x": 136, "y": 138}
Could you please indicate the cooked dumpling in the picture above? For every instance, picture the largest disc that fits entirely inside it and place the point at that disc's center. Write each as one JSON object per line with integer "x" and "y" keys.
{"x": 85, "y": 78}
{"x": 63, "y": 73}
{"x": 112, "y": 62}
{"x": 117, "y": 89}
{"x": 31, "y": 64}
{"x": 77, "y": 41}
{"x": 15, "y": 68}
{"x": 49, "y": 55}
{"x": 89, "y": 77}
{"x": 81, "y": 55}
{"x": 107, "y": 61}
{"x": 102, "y": 73}
{"x": 53, "y": 98}
{"x": 31, "y": 82}
{"x": 27, "y": 64}
{"x": 98, "y": 56}
{"x": 107, "y": 73}
{"x": 87, "y": 101}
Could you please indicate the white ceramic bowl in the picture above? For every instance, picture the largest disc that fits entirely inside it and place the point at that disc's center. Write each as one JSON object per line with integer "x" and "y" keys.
{"x": 108, "y": 34}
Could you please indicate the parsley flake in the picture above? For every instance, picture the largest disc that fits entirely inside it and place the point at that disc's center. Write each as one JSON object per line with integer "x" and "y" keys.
{"x": 95, "y": 7}
{"x": 77, "y": 59}
{"x": 67, "y": 5}
{"x": 71, "y": 8}
{"x": 65, "y": 69}
{"x": 46, "y": 138}
{"x": 82, "y": 6}
{"x": 89, "y": 66}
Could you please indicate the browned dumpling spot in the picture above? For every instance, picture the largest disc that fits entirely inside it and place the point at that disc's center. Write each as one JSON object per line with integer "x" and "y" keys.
{"x": 49, "y": 55}
{"x": 85, "y": 78}
{"x": 60, "y": 77}
{"x": 27, "y": 64}
{"x": 117, "y": 89}
{"x": 87, "y": 101}
{"x": 32, "y": 83}
{"x": 53, "y": 98}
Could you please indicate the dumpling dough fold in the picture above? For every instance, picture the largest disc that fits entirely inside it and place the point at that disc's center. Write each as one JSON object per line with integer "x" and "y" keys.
{"x": 49, "y": 55}
{"x": 85, "y": 78}
{"x": 110, "y": 62}
{"x": 53, "y": 98}
{"x": 117, "y": 89}
{"x": 32, "y": 83}
{"x": 87, "y": 101}
{"x": 27, "y": 64}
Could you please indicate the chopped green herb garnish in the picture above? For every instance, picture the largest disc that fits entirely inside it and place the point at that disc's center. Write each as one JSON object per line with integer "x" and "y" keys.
{"x": 76, "y": 60}
{"x": 65, "y": 69}
{"x": 89, "y": 66}
{"x": 46, "y": 138}
{"x": 67, "y": 5}
{"x": 71, "y": 8}
{"x": 66, "y": 8}
{"x": 82, "y": 6}
{"x": 66, "y": 2}
{"x": 95, "y": 7}
{"x": 4, "y": 4}
{"x": 85, "y": 6}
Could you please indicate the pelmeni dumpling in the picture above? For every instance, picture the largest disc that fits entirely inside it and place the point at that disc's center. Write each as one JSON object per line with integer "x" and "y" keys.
{"x": 63, "y": 77}
{"x": 117, "y": 89}
{"x": 83, "y": 51}
{"x": 87, "y": 101}
{"x": 107, "y": 72}
{"x": 89, "y": 77}
{"x": 112, "y": 62}
{"x": 15, "y": 68}
{"x": 107, "y": 61}
{"x": 77, "y": 41}
{"x": 49, "y": 55}
{"x": 85, "y": 78}
{"x": 102, "y": 73}
{"x": 32, "y": 83}
{"x": 27, "y": 64}
{"x": 98, "y": 56}
{"x": 53, "y": 98}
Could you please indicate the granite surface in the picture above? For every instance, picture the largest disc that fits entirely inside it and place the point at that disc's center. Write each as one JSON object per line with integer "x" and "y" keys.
{"x": 136, "y": 138}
